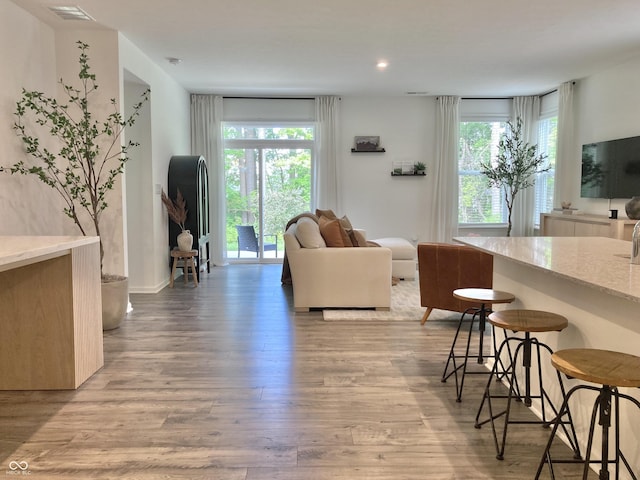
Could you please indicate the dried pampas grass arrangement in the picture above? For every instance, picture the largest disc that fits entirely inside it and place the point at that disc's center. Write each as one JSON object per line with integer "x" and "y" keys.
{"x": 177, "y": 209}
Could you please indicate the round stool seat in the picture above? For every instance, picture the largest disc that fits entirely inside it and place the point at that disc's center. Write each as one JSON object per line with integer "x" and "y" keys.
{"x": 603, "y": 367}
{"x": 528, "y": 321}
{"x": 483, "y": 295}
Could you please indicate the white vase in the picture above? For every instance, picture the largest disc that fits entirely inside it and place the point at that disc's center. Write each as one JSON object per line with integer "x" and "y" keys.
{"x": 632, "y": 207}
{"x": 185, "y": 241}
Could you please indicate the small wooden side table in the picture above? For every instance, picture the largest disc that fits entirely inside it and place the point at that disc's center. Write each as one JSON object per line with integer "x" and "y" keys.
{"x": 187, "y": 258}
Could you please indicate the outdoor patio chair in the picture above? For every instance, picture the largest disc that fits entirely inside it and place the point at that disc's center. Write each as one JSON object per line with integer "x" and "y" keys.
{"x": 248, "y": 241}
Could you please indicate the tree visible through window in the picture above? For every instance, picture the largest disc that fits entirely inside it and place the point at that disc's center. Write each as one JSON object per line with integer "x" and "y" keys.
{"x": 478, "y": 203}
{"x": 268, "y": 178}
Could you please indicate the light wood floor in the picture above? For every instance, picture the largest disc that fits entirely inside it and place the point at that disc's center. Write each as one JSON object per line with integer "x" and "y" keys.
{"x": 225, "y": 382}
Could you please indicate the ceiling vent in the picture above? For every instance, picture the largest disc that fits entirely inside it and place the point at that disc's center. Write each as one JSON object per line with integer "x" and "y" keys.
{"x": 71, "y": 13}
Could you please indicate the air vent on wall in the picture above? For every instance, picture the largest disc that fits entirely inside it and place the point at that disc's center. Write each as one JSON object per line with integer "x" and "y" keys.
{"x": 71, "y": 13}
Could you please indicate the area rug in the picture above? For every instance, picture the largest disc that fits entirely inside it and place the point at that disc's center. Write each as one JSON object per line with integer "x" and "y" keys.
{"x": 405, "y": 307}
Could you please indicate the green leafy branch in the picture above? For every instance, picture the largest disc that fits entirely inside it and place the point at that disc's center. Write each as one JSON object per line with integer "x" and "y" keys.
{"x": 89, "y": 155}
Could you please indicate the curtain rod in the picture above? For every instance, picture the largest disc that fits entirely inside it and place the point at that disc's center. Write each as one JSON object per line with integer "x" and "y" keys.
{"x": 486, "y": 98}
{"x": 272, "y": 98}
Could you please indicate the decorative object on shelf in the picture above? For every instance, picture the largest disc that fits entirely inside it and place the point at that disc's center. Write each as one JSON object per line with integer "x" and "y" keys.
{"x": 177, "y": 211}
{"x": 419, "y": 168}
{"x": 185, "y": 241}
{"x": 369, "y": 143}
{"x": 406, "y": 169}
{"x": 565, "y": 205}
{"x": 515, "y": 166}
{"x": 90, "y": 157}
{"x": 632, "y": 207}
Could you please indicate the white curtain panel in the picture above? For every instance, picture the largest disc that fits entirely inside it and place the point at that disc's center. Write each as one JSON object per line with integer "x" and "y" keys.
{"x": 528, "y": 110}
{"x": 565, "y": 153}
{"x": 206, "y": 140}
{"x": 443, "y": 184}
{"x": 325, "y": 192}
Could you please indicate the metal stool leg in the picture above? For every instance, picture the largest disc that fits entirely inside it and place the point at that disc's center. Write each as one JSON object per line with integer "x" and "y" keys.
{"x": 451, "y": 360}
{"x": 602, "y": 411}
{"x": 523, "y": 352}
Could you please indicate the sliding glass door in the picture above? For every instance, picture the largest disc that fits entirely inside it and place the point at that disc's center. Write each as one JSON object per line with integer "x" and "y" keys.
{"x": 268, "y": 181}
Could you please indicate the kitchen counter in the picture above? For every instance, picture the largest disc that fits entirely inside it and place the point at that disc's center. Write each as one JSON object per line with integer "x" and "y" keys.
{"x": 596, "y": 262}
{"x": 51, "y": 316}
{"x": 591, "y": 282}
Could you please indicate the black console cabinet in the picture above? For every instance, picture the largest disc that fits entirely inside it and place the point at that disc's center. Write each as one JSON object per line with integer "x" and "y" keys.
{"x": 189, "y": 174}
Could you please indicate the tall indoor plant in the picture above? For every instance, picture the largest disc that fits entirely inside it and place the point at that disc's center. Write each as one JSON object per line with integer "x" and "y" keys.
{"x": 88, "y": 155}
{"x": 515, "y": 166}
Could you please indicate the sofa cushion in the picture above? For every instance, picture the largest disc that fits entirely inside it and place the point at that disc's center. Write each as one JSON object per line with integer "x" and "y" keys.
{"x": 401, "y": 249}
{"x": 360, "y": 239}
{"x": 348, "y": 228}
{"x": 308, "y": 233}
{"x": 326, "y": 213}
{"x": 333, "y": 233}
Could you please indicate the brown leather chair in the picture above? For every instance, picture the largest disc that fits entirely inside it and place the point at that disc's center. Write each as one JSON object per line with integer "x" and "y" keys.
{"x": 444, "y": 267}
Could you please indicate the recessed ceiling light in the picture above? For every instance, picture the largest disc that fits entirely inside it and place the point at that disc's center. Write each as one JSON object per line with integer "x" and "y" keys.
{"x": 382, "y": 64}
{"x": 71, "y": 13}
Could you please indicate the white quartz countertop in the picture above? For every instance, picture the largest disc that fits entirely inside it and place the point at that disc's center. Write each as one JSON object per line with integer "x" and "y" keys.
{"x": 597, "y": 262}
{"x": 18, "y": 250}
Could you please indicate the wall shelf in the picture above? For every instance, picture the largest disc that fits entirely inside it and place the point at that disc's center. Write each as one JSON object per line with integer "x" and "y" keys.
{"x": 408, "y": 174}
{"x": 379, "y": 150}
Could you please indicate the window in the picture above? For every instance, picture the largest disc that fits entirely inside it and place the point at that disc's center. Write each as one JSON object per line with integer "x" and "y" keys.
{"x": 477, "y": 202}
{"x": 480, "y": 204}
{"x": 267, "y": 181}
{"x": 547, "y": 143}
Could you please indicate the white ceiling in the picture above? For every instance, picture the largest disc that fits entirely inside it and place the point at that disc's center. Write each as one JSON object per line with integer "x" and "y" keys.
{"x": 302, "y": 47}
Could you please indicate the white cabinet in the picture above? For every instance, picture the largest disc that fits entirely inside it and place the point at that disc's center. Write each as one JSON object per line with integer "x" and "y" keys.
{"x": 559, "y": 225}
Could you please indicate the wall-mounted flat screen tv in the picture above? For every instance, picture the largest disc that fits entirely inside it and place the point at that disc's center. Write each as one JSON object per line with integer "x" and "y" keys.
{"x": 611, "y": 169}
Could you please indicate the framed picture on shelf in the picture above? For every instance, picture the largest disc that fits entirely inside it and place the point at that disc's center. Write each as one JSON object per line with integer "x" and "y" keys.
{"x": 367, "y": 143}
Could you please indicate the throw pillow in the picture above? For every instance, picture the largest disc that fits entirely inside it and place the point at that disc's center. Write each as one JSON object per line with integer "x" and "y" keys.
{"x": 348, "y": 228}
{"x": 326, "y": 213}
{"x": 308, "y": 233}
{"x": 332, "y": 232}
{"x": 361, "y": 241}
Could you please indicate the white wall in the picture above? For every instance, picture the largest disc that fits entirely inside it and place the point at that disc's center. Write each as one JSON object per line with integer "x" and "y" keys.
{"x": 27, "y": 207}
{"x": 169, "y": 128}
{"x": 607, "y": 107}
{"x": 383, "y": 205}
{"x": 36, "y": 61}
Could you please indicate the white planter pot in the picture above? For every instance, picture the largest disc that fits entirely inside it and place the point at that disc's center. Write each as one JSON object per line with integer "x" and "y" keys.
{"x": 115, "y": 299}
{"x": 185, "y": 241}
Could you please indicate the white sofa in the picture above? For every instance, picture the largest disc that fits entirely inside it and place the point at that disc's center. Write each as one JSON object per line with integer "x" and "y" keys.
{"x": 346, "y": 277}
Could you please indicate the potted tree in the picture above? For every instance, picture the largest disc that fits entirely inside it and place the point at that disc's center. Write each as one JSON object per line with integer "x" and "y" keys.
{"x": 515, "y": 167}
{"x": 85, "y": 164}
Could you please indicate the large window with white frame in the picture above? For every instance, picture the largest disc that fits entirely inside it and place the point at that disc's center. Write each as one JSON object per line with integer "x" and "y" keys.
{"x": 482, "y": 125}
{"x": 477, "y": 202}
{"x": 267, "y": 182}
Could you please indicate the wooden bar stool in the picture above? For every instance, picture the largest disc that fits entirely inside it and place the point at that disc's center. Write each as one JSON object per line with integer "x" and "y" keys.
{"x": 187, "y": 262}
{"x": 611, "y": 370}
{"x": 486, "y": 297}
{"x": 527, "y": 322}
